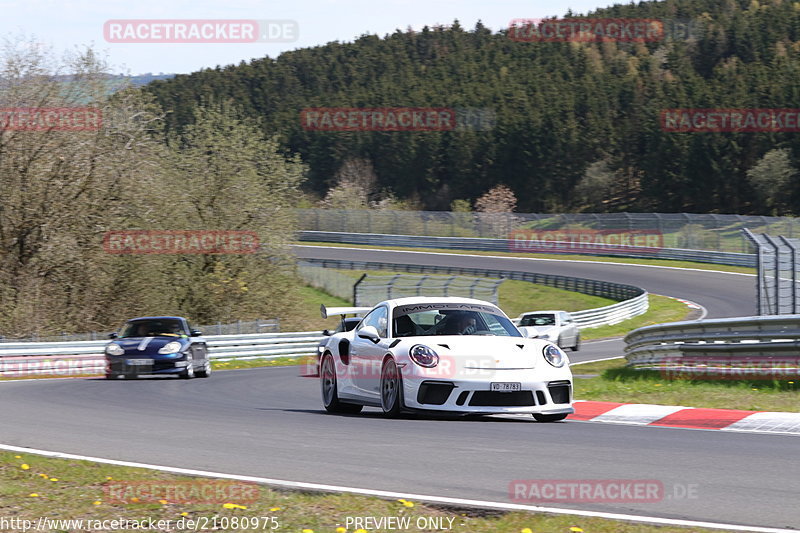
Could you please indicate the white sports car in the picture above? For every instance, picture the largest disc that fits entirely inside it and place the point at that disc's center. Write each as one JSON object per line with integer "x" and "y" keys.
{"x": 443, "y": 354}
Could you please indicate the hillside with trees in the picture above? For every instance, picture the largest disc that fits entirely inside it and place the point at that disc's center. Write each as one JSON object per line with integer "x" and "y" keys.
{"x": 577, "y": 123}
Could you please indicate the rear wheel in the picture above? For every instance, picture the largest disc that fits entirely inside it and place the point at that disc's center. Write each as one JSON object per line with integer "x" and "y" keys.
{"x": 391, "y": 389}
{"x": 550, "y": 418}
{"x": 577, "y": 343}
{"x": 330, "y": 393}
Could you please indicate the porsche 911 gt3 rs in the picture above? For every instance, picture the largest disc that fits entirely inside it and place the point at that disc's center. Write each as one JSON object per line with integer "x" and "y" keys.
{"x": 447, "y": 354}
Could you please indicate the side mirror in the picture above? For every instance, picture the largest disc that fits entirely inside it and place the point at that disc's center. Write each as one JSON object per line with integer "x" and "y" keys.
{"x": 112, "y": 335}
{"x": 326, "y": 332}
{"x": 528, "y": 332}
{"x": 369, "y": 332}
{"x": 195, "y": 333}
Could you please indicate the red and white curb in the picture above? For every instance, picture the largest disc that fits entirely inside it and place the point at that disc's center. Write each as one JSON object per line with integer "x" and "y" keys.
{"x": 686, "y": 417}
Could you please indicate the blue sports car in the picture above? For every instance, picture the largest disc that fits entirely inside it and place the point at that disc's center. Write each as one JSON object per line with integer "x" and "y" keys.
{"x": 157, "y": 345}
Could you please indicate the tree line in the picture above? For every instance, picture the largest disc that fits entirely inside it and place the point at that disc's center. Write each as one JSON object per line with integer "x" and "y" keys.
{"x": 576, "y": 125}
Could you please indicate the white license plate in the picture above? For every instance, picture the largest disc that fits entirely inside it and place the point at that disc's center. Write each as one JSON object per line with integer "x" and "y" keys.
{"x": 506, "y": 387}
{"x": 136, "y": 362}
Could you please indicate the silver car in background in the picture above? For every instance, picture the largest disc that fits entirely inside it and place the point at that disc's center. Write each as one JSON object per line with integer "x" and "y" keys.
{"x": 555, "y": 326}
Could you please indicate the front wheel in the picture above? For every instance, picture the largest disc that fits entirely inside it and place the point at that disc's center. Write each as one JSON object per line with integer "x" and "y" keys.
{"x": 206, "y": 372}
{"x": 330, "y": 394}
{"x": 189, "y": 372}
{"x": 391, "y": 389}
{"x": 550, "y": 418}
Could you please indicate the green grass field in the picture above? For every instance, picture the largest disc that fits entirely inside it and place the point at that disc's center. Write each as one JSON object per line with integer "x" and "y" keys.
{"x": 34, "y": 487}
{"x": 614, "y": 382}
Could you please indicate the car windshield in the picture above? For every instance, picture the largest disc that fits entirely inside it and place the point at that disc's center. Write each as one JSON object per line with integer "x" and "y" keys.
{"x": 451, "y": 319}
{"x": 543, "y": 319}
{"x": 169, "y": 327}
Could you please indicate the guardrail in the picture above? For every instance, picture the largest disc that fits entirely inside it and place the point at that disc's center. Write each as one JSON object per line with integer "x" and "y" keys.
{"x": 633, "y": 300}
{"x": 86, "y": 357}
{"x": 745, "y": 346}
{"x": 507, "y": 245}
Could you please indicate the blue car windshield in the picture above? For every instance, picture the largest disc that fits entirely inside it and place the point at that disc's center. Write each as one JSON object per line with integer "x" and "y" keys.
{"x": 153, "y": 328}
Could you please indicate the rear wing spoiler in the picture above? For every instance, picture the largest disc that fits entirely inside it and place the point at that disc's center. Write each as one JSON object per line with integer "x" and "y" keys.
{"x": 333, "y": 311}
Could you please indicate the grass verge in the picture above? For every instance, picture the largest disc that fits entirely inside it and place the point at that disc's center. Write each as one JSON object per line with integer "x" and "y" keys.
{"x": 614, "y": 382}
{"x": 574, "y": 257}
{"x": 33, "y": 487}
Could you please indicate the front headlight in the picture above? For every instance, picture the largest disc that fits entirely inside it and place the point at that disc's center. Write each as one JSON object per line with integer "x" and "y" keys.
{"x": 423, "y": 356}
{"x": 114, "y": 349}
{"x": 554, "y": 355}
{"x": 171, "y": 347}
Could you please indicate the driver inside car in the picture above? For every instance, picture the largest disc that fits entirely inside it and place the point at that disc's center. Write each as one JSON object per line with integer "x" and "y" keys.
{"x": 461, "y": 323}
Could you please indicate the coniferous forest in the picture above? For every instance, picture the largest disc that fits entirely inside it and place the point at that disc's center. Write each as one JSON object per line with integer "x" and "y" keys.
{"x": 577, "y": 123}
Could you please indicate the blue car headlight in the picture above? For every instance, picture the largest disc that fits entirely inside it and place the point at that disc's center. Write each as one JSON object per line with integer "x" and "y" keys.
{"x": 115, "y": 349}
{"x": 554, "y": 355}
{"x": 423, "y": 356}
{"x": 171, "y": 347}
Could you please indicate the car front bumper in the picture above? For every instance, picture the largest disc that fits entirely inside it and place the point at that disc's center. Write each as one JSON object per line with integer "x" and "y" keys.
{"x": 534, "y": 396}
{"x": 121, "y": 365}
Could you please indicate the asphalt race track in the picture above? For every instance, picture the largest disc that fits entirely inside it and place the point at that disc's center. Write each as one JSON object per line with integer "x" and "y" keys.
{"x": 269, "y": 422}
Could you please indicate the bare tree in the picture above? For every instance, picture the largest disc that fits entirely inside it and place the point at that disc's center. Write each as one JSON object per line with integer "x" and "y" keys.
{"x": 494, "y": 211}
{"x": 61, "y": 187}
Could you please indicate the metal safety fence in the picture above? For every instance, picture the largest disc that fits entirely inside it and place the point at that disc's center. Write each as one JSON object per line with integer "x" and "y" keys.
{"x": 632, "y": 300}
{"x": 369, "y": 289}
{"x": 742, "y": 347}
{"x": 511, "y": 245}
{"x": 19, "y": 359}
{"x": 240, "y": 327}
{"x": 373, "y": 289}
{"x": 687, "y": 231}
{"x": 777, "y": 289}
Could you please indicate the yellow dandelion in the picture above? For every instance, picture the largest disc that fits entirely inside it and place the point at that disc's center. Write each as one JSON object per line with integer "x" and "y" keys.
{"x": 525, "y": 530}
{"x": 184, "y": 513}
{"x": 33, "y": 495}
{"x": 408, "y": 504}
{"x": 360, "y": 531}
{"x": 308, "y": 531}
{"x": 134, "y": 500}
{"x": 163, "y": 502}
{"x": 233, "y": 506}
{"x": 401, "y": 500}
{"x": 109, "y": 478}
{"x": 575, "y": 529}
{"x": 20, "y": 457}
{"x": 341, "y": 530}
{"x": 25, "y": 466}
{"x": 43, "y": 476}
{"x": 53, "y": 479}
{"x": 97, "y": 502}
{"x": 273, "y": 509}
